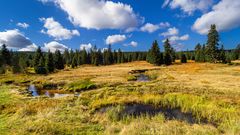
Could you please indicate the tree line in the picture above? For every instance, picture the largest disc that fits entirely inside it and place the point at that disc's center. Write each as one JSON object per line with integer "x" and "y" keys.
{"x": 48, "y": 62}
{"x": 212, "y": 52}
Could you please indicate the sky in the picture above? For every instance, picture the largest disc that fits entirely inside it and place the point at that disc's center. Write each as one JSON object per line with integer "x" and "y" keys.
{"x": 131, "y": 25}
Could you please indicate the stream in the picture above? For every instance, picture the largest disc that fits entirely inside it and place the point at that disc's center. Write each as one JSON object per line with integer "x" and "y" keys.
{"x": 49, "y": 93}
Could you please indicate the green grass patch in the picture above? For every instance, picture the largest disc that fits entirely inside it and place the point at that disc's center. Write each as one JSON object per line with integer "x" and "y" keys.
{"x": 81, "y": 86}
{"x": 131, "y": 78}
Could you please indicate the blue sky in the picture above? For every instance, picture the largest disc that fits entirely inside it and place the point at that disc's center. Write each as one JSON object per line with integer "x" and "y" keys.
{"x": 61, "y": 24}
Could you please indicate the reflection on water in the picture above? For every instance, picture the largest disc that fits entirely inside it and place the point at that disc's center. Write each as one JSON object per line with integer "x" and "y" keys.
{"x": 33, "y": 90}
{"x": 142, "y": 78}
{"x": 49, "y": 93}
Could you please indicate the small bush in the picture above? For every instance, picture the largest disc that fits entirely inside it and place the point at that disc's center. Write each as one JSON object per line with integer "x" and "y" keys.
{"x": 81, "y": 85}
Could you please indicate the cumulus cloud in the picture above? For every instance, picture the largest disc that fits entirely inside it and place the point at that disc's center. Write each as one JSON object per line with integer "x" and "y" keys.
{"x": 23, "y": 25}
{"x": 133, "y": 44}
{"x": 113, "y": 39}
{"x": 56, "y": 30}
{"x": 171, "y": 32}
{"x": 30, "y": 48}
{"x": 87, "y": 47}
{"x": 224, "y": 14}
{"x": 179, "y": 38}
{"x": 98, "y": 14}
{"x": 173, "y": 35}
{"x": 150, "y": 28}
{"x": 54, "y": 45}
{"x": 189, "y": 6}
{"x": 14, "y": 39}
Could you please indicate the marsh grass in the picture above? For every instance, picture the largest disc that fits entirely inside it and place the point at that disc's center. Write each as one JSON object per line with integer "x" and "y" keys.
{"x": 78, "y": 86}
{"x": 209, "y": 91}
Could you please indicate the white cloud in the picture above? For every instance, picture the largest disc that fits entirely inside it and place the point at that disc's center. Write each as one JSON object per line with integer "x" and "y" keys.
{"x": 189, "y": 6}
{"x": 173, "y": 35}
{"x": 14, "y": 39}
{"x": 87, "y": 47}
{"x": 171, "y": 32}
{"x": 133, "y": 44}
{"x": 53, "y": 46}
{"x": 113, "y": 39}
{"x": 30, "y": 48}
{"x": 23, "y": 25}
{"x": 224, "y": 14}
{"x": 179, "y": 38}
{"x": 98, "y": 14}
{"x": 56, "y": 30}
{"x": 150, "y": 28}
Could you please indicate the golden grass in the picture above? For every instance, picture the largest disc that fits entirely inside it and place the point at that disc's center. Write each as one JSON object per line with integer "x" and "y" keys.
{"x": 210, "y": 91}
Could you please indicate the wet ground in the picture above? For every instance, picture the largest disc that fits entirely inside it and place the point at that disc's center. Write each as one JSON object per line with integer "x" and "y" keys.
{"x": 49, "y": 93}
{"x": 142, "y": 78}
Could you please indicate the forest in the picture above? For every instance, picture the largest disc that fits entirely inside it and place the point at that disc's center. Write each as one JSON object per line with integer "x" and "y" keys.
{"x": 48, "y": 62}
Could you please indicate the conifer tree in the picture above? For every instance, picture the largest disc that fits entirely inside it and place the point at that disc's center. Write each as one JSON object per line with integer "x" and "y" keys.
{"x": 183, "y": 58}
{"x": 222, "y": 55}
{"x": 66, "y": 57}
{"x": 50, "y": 62}
{"x": 154, "y": 54}
{"x": 98, "y": 58}
{"x": 6, "y": 55}
{"x": 84, "y": 56}
{"x": 23, "y": 63}
{"x": 75, "y": 61}
{"x": 108, "y": 56}
{"x": 167, "y": 53}
{"x": 15, "y": 65}
{"x": 236, "y": 53}
{"x": 198, "y": 50}
{"x": 58, "y": 60}
{"x": 119, "y": 56}
{"x": 36, "y": 60}
{"x": 212, "y": 44}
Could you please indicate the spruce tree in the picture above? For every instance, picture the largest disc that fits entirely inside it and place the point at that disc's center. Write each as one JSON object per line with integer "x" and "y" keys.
{"x": 108, "y": 56}
{"x": 84, "y": 56}
{"x": 59, "y": 64}
{"x": 74, "y": 61}
{"x": 236, "y": 53}
{"x": 15, "y": 65}
{"x": 212, "y": 44}
{"x": 41, "y": 69}
{"x": 198, "y": 50}
{"x": 50, "y": 62}
{"x": 167, "y": 53}
{"x": 66, "y": 57}
{"x": 23, "y": 64}
{"x": 6, "y": 55}
{"x": 154, "y": 54}
{"x": 222, "y": 55}
{"x": 36, "y": 60}
{"x": 119, "y": 56}
{"x": 183, "y": 58}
